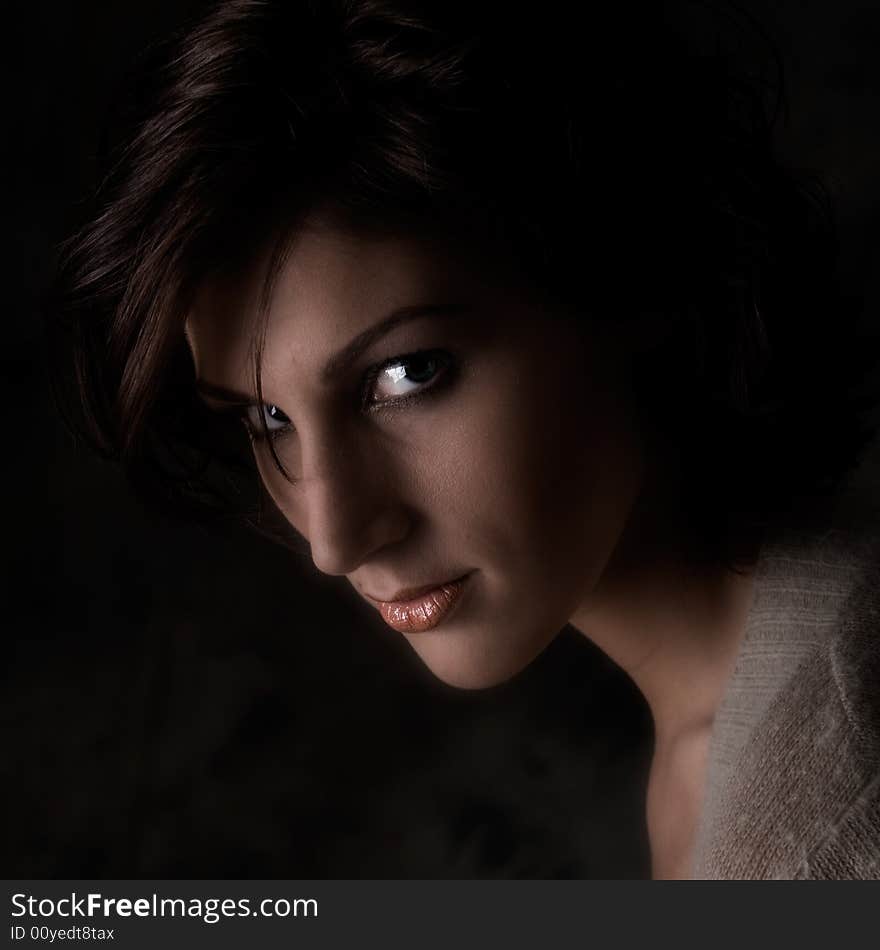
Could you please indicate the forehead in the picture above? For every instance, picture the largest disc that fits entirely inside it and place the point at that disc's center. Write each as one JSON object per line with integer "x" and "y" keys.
{"x": 332, "y": 284}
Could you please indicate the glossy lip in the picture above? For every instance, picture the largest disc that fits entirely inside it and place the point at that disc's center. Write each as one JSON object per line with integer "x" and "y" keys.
{"x": 410, "y": 593}
{"x": 417, "y": 609}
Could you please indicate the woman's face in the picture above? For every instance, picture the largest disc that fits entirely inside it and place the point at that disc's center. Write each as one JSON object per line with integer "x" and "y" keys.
{"x": 505, "y": 453}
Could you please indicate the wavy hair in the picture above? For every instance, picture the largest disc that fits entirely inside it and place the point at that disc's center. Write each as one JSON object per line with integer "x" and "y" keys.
{"x": 622, "y": 167}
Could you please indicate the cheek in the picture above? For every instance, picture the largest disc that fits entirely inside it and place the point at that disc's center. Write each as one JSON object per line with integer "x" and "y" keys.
{"x": 530, "y": 476}
{"x": 281, "y": 491}
{"x": 544, "y": 476}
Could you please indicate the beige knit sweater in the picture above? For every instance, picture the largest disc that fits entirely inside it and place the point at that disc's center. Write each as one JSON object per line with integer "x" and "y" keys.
{"x": 793, "y": 785}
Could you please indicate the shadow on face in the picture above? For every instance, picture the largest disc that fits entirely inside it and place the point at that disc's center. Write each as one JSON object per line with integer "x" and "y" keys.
{"x": 423, "y": 419}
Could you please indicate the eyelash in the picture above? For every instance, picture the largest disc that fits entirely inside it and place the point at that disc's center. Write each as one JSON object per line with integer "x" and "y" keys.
{"x": 442, "y": 377}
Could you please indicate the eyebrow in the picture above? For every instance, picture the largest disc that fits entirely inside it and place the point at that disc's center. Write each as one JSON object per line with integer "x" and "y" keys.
{"x": 344, "y": 358}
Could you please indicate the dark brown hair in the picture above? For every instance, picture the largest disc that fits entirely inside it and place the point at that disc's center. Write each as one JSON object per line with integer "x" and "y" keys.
{"x": 624, "y": 167}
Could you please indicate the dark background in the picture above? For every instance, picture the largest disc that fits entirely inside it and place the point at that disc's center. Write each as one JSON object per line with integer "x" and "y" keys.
{"x": 183, "y": 705}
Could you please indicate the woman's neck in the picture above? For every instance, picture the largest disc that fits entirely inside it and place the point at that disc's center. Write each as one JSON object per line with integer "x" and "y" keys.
{"x": 674, "y": 627}
{"x": 676, "y": 630}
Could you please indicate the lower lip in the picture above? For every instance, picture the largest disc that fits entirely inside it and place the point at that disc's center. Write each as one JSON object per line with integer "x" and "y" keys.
{"x": 424, "y": 612}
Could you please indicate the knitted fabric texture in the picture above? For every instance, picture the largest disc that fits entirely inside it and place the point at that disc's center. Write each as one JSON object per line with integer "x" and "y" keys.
{"x": 793, "y": 782}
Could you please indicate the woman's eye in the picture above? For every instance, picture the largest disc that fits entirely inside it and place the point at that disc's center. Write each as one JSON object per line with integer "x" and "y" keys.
{"x": 403, "y": 375}
{"x": 395, "y": 379}
{"x": 267, "y": 417}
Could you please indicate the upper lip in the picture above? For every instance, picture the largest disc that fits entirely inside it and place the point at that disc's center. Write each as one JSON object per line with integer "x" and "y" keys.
{"x": 409, "y": 593}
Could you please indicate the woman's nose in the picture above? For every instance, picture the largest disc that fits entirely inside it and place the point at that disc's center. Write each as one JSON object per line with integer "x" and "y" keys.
{"x": 352, "y": 508}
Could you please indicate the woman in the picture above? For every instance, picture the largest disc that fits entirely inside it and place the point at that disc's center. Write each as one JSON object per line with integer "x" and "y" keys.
{"x": 522, "y": 322}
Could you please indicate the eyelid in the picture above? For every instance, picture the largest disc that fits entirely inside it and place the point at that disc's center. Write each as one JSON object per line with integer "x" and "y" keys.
{"x": 261, "y": 431}
{"x": 446, "y": 360}
{"x": 242, "y": 410}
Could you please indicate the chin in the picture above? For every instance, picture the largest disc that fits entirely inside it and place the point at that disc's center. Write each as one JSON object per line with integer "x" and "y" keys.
{"x": 464, "y": 663}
